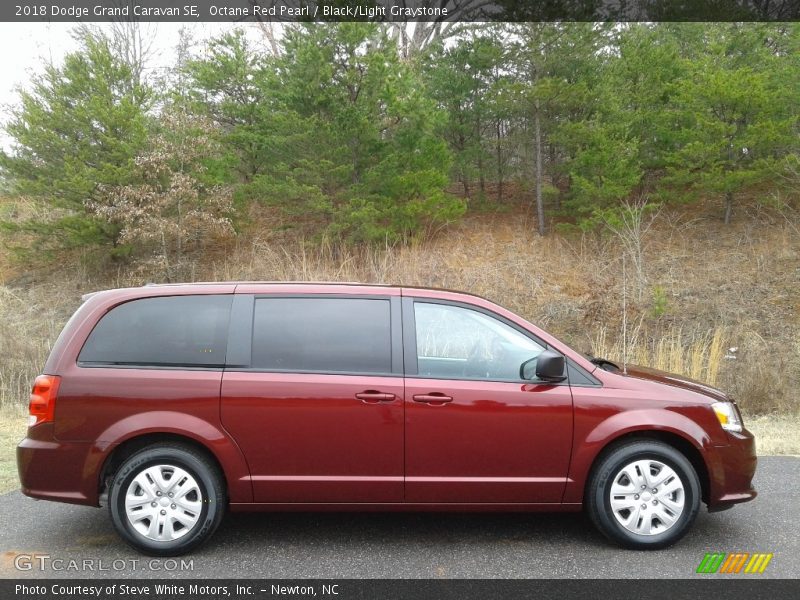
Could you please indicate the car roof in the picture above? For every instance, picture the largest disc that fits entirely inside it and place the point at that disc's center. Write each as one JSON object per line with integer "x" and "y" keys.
{"x": 214, "y": 286}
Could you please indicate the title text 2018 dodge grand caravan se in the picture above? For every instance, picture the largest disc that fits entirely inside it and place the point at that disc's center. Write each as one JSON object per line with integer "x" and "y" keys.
{"x": 175, "y": 402}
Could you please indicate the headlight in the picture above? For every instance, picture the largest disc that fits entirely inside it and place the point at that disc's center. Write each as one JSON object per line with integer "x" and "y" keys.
{"x": 728, "y": 416}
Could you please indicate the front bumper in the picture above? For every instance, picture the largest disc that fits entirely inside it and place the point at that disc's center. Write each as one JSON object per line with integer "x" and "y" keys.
{"x": 731, "y": 470}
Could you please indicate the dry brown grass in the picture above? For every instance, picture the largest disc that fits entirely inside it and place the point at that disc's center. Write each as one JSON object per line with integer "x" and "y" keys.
{"x": 30, "y": 321}
{"x": 12, "y": 430}
{"x": 697, "y": 356}
{"x": 776, "y": 434}
{"x": 492, "y": 257}
{"x": 721, "y": 287}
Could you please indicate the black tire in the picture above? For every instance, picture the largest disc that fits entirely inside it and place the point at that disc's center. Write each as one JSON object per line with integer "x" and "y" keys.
{"x": 212, "y": 497}
{"x": 598, "y": 494}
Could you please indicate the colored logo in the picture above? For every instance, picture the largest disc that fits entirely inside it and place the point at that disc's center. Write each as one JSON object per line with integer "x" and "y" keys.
{"x": 735, "y": 562}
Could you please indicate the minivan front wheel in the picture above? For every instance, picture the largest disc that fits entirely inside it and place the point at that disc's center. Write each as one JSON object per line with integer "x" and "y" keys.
{"x": 644, "y": 495}
{"x": 165, "y": 500}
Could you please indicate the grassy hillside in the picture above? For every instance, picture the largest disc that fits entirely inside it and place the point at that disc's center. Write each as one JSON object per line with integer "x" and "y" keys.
{"x": 704, "y": 290}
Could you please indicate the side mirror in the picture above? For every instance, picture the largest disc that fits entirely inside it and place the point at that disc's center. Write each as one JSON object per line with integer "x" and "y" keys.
{"x": 548, "y": 366}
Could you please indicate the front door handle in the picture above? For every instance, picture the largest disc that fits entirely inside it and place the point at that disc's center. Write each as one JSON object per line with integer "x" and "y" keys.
{"x": 434, "y": 398}
{"x": 373, "y": 396}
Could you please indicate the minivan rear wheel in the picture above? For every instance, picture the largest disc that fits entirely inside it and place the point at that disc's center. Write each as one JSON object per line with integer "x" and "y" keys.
{"x": 166, "y": 500}
{"x": 644, "y": 495}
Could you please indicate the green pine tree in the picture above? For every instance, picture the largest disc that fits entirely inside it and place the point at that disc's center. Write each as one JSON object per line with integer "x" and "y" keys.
{"x": 75, "y": 131}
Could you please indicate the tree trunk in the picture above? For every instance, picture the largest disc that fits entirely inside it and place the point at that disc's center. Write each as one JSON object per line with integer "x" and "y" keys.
{"x": 551, "y": 160}
{"x": 462, "y": 144}
{"x": 498, "y": 150}
{"x": 268, "y": 30}
{"x": 728, "y": 207}
{"x": 481, "y": 178}
{"x": 537, "y": 127}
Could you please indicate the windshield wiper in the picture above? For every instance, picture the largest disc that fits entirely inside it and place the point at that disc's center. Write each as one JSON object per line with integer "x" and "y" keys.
{"x": 603, "y": 363}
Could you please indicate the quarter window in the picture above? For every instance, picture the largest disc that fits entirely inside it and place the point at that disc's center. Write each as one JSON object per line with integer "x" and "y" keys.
{"x": 331, "y": 335}
{"x": 187, "y": 331}
{"x": 459, "y": 343}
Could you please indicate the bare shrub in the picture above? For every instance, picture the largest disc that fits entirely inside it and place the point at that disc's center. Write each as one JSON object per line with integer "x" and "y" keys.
{"x": 172, "y": 210}
{"x": 631, "y": 223}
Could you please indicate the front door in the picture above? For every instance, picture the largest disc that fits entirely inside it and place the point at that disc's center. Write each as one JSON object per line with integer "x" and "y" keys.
{"x": 318, "y": 412}
{"x": 476, "y": 432}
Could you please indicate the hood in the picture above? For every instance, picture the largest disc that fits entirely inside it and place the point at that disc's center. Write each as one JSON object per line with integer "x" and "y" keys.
{"x": 676, "y": 381}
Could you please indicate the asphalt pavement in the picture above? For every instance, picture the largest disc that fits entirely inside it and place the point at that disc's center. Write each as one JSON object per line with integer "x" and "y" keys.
{"x": 45, "y": 539}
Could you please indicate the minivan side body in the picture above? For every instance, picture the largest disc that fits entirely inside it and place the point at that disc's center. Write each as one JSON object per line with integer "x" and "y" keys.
{"x": 359, "y": 397}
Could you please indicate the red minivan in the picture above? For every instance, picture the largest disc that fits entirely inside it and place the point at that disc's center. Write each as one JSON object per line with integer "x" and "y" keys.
{"x": 171, "y": 403}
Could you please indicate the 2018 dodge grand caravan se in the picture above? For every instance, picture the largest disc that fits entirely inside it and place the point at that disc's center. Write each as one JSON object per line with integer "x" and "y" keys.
{"x": 172, "y": 403}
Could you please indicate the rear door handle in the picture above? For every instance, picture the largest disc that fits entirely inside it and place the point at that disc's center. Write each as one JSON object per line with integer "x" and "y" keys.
{"x": 373, "y": 397}
{"x": 434, "y": 398}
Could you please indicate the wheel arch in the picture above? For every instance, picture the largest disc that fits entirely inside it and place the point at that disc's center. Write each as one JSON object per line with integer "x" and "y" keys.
{"x": 670, "y": 438}
{"x": 220, "y": 448}
{"x": 678, "y": 428}
{"x": 121, "y": 452}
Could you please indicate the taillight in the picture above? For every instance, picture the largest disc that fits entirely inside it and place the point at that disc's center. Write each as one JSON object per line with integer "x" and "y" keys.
{"x": 42, "y": 406}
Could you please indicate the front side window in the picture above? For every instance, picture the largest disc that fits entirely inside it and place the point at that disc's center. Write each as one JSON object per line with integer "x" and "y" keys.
{"x": 459, "y": 343}
{"x": 189, "y": 331}
{"x": 329, "y": 335}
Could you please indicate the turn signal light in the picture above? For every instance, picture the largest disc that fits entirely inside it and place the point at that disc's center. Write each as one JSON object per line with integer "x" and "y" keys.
{"x": 728, "y": 416}
{"x": 42, "y": 406}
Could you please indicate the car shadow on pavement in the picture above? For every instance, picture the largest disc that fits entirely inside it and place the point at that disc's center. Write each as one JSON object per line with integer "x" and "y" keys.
{"x": 406, "y": 528}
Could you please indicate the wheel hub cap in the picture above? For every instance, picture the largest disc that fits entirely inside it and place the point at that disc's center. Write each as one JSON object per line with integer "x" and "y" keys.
{"x": 647, "y": 497}
{"x": 163, "y": 503}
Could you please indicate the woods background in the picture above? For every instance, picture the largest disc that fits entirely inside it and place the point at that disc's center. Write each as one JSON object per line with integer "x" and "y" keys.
{"x": 524, "y": 162}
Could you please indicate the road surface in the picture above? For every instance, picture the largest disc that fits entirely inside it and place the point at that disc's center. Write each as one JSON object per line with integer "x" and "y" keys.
{"x": 297, "y": 545}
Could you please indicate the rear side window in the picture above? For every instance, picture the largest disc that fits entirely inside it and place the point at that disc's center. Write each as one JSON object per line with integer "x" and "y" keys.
{"x": 189, "y": 331}
{"x": 339, "y": 335}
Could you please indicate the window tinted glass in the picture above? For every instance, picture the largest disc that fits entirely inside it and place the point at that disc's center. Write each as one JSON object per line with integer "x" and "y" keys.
{"x": 349, "y": 335}
{"x": 459, "y": 343}
{"x": 174, "y": 330}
